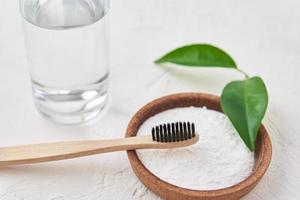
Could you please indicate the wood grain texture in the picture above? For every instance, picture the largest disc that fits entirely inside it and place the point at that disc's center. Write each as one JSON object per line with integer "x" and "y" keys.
{"x": 166, "y": 190}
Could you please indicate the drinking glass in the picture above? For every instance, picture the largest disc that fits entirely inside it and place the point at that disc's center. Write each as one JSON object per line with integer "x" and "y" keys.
{"x": 67, "y": 51}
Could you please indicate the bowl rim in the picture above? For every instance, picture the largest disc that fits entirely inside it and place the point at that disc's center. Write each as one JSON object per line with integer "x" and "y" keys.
{"x": 141, "y": 171}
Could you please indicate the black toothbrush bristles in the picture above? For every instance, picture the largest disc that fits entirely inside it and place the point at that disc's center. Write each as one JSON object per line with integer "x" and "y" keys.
{"x": 185, "y": 131}
{"x": 165, "y": 133}
{"x": 177, "y": 132}
{"x": 157, "y": 133}
{"x": 161, "y": 134}
{"x": 153, "y": 133}
{"x": 193, "y": 129}
{"x": 173, "y": 132}
{"x": 169, "y": 133}
{"x": 181, "y": 131}
{"x": 189, "y": 130}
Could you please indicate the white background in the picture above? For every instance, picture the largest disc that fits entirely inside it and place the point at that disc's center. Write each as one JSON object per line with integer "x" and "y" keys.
{"x": 262, "y": 36}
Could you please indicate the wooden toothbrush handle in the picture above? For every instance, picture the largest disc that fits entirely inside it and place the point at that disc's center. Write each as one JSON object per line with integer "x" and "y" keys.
{"x": 36, "y": 153}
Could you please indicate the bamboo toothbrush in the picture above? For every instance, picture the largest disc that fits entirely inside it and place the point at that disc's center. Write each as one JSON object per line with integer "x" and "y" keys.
{"x": 171, "y": 135}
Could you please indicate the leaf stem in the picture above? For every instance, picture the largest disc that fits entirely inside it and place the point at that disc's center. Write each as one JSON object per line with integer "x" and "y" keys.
{"x": 244, "y": 73}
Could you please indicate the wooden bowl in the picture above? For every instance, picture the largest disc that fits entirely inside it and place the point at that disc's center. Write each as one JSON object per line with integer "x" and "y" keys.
{"x": 168, "y": 191}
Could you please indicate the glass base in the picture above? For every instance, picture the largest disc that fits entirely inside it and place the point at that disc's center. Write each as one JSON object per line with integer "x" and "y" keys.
{"x": 71, "y": 106}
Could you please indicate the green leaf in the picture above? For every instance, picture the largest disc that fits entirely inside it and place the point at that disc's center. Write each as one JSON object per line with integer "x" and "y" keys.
{"x": 245, "y": 103}
{"x": 199, "y": 55}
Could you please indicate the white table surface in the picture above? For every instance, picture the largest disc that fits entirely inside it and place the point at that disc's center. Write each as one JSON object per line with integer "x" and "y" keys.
{"x": 262, "y": 36}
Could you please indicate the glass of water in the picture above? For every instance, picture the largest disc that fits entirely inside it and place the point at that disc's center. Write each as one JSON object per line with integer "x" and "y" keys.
{"x": 67, "y": 50}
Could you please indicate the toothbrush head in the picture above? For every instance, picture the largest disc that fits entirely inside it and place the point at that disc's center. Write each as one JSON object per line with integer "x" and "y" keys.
{"x": 173, "y": 132}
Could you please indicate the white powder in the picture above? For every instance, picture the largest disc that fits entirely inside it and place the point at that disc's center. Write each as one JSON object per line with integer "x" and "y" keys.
{"x": 219, "y": 159}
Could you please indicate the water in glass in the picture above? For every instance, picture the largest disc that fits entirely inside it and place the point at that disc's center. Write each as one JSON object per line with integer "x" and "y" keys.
{"x": 67, "y": 49}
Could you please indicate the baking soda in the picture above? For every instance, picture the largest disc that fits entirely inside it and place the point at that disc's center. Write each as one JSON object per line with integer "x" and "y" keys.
{"x": 219, "y": 159}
